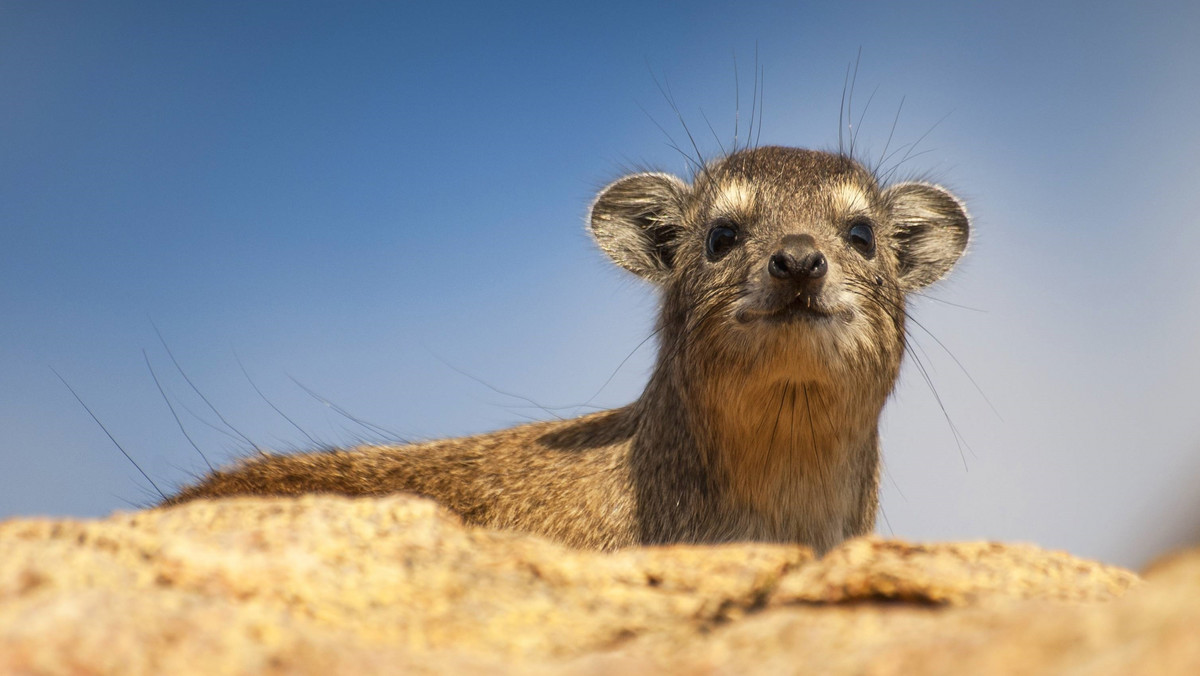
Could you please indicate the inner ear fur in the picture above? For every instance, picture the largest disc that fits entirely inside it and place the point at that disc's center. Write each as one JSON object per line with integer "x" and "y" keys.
{"x": 636, "y": 220}
{"x": 932, "y": 229}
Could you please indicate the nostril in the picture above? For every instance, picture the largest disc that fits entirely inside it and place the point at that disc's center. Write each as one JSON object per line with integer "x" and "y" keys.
{"x": 814, "y": 265}
{"x": 780, "y": 266}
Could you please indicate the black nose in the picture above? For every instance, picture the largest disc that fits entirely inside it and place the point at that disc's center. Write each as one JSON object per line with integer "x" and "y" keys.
{"x": 798, "y": 260}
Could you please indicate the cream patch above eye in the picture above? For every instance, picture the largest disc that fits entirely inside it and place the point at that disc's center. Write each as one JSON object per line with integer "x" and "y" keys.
{"x": 735, "y": 196}
{"x": 850, "y": 199}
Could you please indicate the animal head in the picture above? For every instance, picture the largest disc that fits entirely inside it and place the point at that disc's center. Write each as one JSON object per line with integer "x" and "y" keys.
{"x": 783, "y": 252}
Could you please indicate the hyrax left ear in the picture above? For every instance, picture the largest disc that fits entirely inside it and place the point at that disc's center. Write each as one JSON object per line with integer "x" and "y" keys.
{"x": 636, "y": 221}
{"x": 932, "y": 228}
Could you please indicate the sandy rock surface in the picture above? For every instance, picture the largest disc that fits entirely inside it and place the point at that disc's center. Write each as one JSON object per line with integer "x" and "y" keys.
{"x": 326, "y": 585}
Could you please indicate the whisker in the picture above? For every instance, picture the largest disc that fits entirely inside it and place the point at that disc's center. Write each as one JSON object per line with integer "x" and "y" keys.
{"x": 198, "y": 392}
{"x": 270, "y": 403}
{"x": 174, "y": 414}
{"x": 109, "y": 434}
{"x": 896, "y": 311}
{"x": 664, "y": 88}
{"x": 879, "y": 164}
{"x": 372, "y": 427}
{"x": 850, "y": 101}
{"x": 716, "y": 137}
{"x": 762, "y": 85}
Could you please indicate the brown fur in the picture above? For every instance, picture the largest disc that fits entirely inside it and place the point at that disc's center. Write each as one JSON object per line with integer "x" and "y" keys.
{"x": 760, "y": 421}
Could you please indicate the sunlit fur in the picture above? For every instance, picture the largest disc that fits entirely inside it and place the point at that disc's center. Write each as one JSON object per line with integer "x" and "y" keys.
{"x": 759, "y": 422}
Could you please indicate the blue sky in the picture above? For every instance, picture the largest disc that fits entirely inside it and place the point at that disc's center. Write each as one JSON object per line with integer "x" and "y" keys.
{"x": 374, "y": 199}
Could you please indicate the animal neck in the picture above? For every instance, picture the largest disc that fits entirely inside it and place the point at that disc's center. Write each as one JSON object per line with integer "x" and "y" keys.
{"x": 790, "y": 455}
{"x": 774, "y": 440}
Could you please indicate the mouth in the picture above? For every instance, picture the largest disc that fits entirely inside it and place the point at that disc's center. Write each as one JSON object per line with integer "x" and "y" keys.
{"x": 802, "y": 308}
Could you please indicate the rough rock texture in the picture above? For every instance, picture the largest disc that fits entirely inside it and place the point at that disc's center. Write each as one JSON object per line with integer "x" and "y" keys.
{"x": 324, "y": 585}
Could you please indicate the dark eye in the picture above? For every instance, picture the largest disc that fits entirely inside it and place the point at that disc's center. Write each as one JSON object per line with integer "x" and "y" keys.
{"x": 722, "y": 237}
{"x": 862, "y": 238}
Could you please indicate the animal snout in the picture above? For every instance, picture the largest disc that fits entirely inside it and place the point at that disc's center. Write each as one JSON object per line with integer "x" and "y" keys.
{"x": 798, "y": 260}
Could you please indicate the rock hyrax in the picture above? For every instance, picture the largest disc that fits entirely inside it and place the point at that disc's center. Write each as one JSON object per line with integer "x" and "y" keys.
{"x": 783, "y": 274}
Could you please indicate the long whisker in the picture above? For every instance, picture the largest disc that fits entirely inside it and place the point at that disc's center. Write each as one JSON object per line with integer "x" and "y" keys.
{"x": 850, "y": 101}
{"x": 372, "y": 427}
{"x": 198, "y": 392}
{"x": 716, "y": 136}
{"x": 896, "y": 119}
{"x": 912, "y": 146}
{"x": 908, "y": 316}
{"x": 612, "y": 375}
{"x": 737, "y": 103}
{"x": 854, "y": 136}
{"x": 897, "y": 312}
{"x": 109, "y": 434}
{"x": 762, "y": 85}
{"x": 688, "y": 159}
{"x": 271, "y": 403}
{"x": 664, "y": 88}
{"x": 175, "y": 415}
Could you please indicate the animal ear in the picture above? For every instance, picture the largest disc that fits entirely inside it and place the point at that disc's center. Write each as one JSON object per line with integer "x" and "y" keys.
{"x": 932, "y": 228}
{"x": 636, "y": 220}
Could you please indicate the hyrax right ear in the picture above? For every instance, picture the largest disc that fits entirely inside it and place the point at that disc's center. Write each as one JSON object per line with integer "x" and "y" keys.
{"x": 636, "y": 221}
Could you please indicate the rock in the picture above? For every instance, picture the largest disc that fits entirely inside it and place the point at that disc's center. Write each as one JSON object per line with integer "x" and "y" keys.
{"x": 326, "y": 585}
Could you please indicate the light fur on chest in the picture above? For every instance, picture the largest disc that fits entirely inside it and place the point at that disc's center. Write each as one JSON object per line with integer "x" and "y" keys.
{"x": 790, "y": 455}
